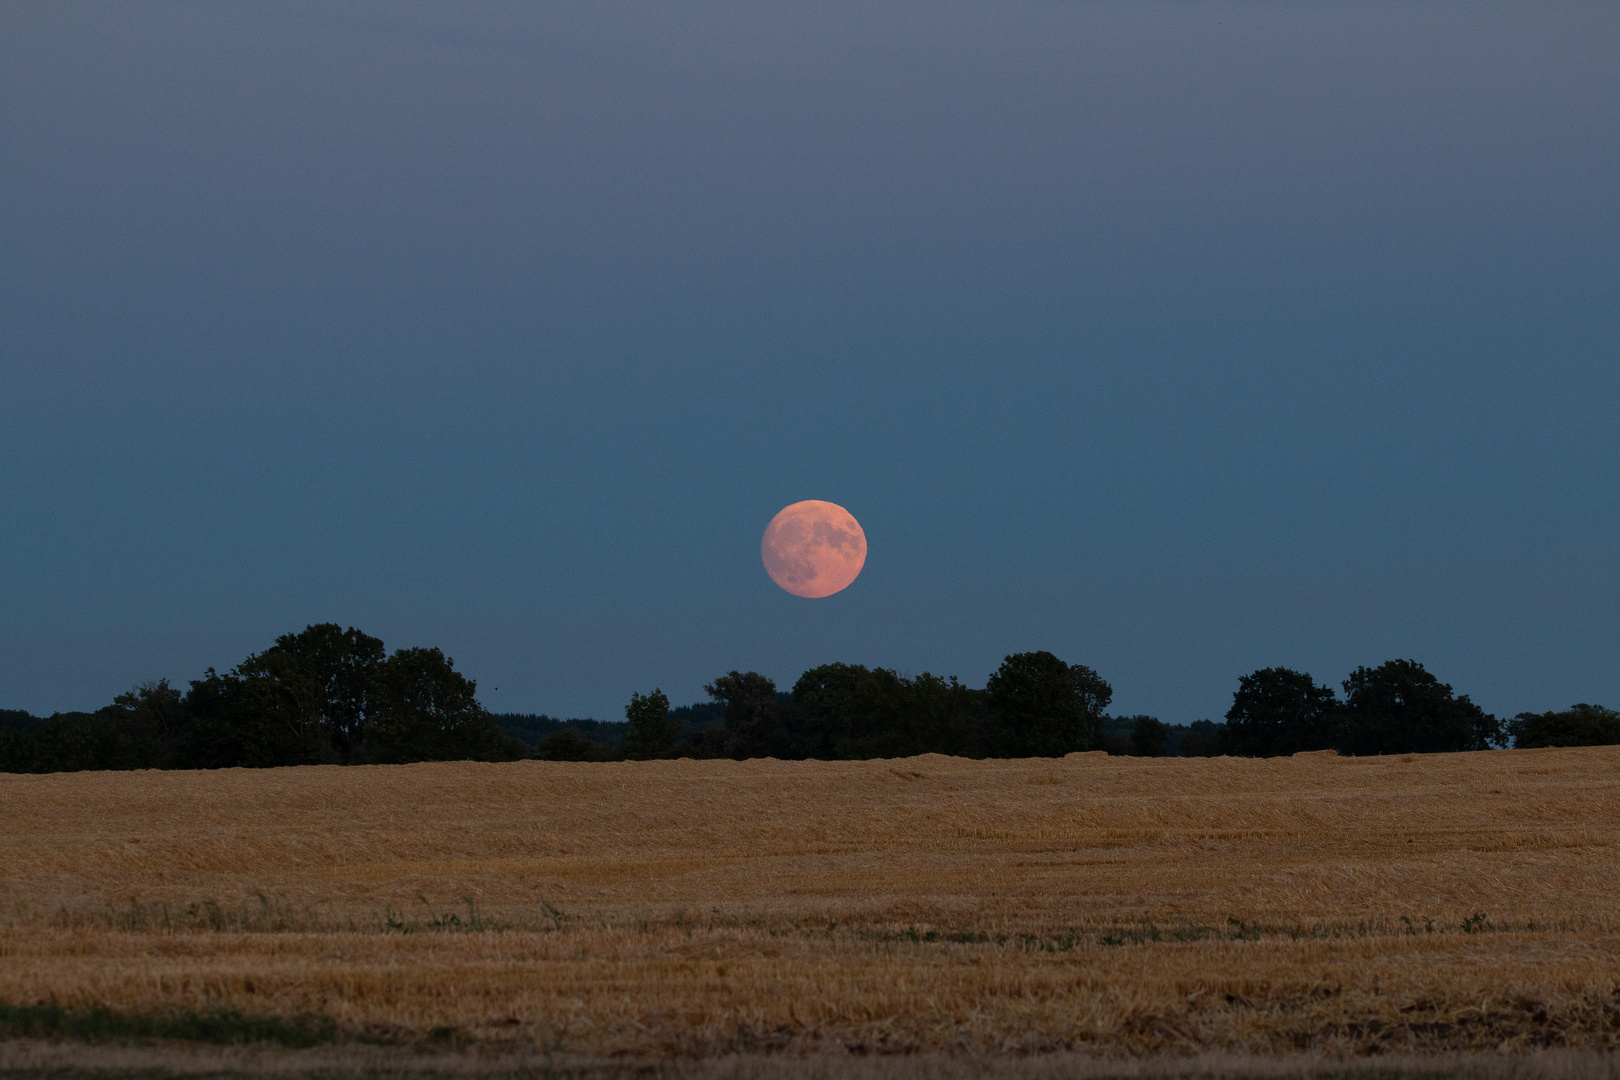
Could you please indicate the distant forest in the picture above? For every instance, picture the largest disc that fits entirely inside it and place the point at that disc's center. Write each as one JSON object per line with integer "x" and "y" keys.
{"x": 328, "y": 695}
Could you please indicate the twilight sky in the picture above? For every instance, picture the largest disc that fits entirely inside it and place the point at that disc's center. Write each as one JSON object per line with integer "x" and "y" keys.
{"x": 1179, "y": 339}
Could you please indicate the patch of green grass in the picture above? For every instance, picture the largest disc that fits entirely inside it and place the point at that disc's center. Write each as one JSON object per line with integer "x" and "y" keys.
{"x": 225, "y": 1027}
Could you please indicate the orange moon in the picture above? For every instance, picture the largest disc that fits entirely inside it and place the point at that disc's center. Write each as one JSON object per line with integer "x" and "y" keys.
{"x": 813, "y": 548}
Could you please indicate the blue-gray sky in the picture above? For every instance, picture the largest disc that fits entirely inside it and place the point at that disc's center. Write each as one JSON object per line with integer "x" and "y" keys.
{"x": 1179, "y": 339}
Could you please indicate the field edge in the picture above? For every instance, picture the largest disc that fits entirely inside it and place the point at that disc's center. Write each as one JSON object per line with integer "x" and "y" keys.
{"x": 27, "y": 1059}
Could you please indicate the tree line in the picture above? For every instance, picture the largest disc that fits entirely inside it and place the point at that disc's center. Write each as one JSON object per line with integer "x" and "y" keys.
{"x": 329, "y": 695}
{"x": 1036, "y": 705}
{"x": 323, "y": 696}
{"x": 1395, "y": 708}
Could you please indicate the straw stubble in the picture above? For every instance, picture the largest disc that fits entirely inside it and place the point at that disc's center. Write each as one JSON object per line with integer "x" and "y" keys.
{"x": 928, "y": 904}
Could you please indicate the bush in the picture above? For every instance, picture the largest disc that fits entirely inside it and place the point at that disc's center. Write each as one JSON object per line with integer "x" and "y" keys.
{"x": 572, "y": 746}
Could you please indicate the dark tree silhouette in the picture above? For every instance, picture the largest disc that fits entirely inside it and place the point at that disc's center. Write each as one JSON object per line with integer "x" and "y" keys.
{"x": 1578, "y": 725}
{"x": 329, "y": 694}
{"x": 946, "y": 714}
{"x": 324, "y": 674}
{"x": 1150, "y": 737}
{"x": 311, "y": 697}
{"x": 850, "y": 711}
{"x": 1399, "y": 708}
{"x": 1277, "y": 710}
{"x": 249, "y": 722}
{"x": 1036, "y": 707}
{"x": 422, "y": 709}
{"x": 651, "y": 732}
{"x": 829, "y": 715}
{"x": 154, "y": 723}
{"x": 66, "y": 742}
{"x": 1201, "y": 738}
{"x": 1095, "y": 696}
{"x": 301, "y": 701}
{"x": 758, "y": 724}
{"x": 572, "y": 746}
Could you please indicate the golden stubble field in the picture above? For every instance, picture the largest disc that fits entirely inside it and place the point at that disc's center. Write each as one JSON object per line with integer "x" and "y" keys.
{"x": 931, "y": 904}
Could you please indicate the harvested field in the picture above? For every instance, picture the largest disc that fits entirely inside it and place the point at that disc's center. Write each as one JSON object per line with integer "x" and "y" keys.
{"x": 56, "y": 1061}
{"x": 1105, "y": 905}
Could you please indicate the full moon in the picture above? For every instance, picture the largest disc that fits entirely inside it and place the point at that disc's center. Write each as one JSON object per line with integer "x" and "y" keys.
{"x": 813, "y": 548}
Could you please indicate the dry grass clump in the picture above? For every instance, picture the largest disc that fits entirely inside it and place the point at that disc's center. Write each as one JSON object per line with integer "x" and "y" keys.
{"x": 934, "y": 904}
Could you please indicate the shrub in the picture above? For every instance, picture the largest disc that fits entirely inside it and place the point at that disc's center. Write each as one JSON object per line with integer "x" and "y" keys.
{"x": 572, "y": 746}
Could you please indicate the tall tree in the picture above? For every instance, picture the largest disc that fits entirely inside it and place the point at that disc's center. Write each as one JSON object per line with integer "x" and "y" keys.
{"x": 1036, "y": 708}
{"x": 1277, "y": 710}
{"x": 851, "y": 712}
{"x": 322, "y": 676}
{"x": 154, "y": 721}
{"x": 1398, "y": 707}
{"x": 303, "y": 700}
{"x": 422, "y": 709}
{"x": 825, "y": 697}
{"x": 1095, "y": 696}
{"x": 944, "y": 714}
{"x": 651, "y": 732}
{"x": 758, "y": 724}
